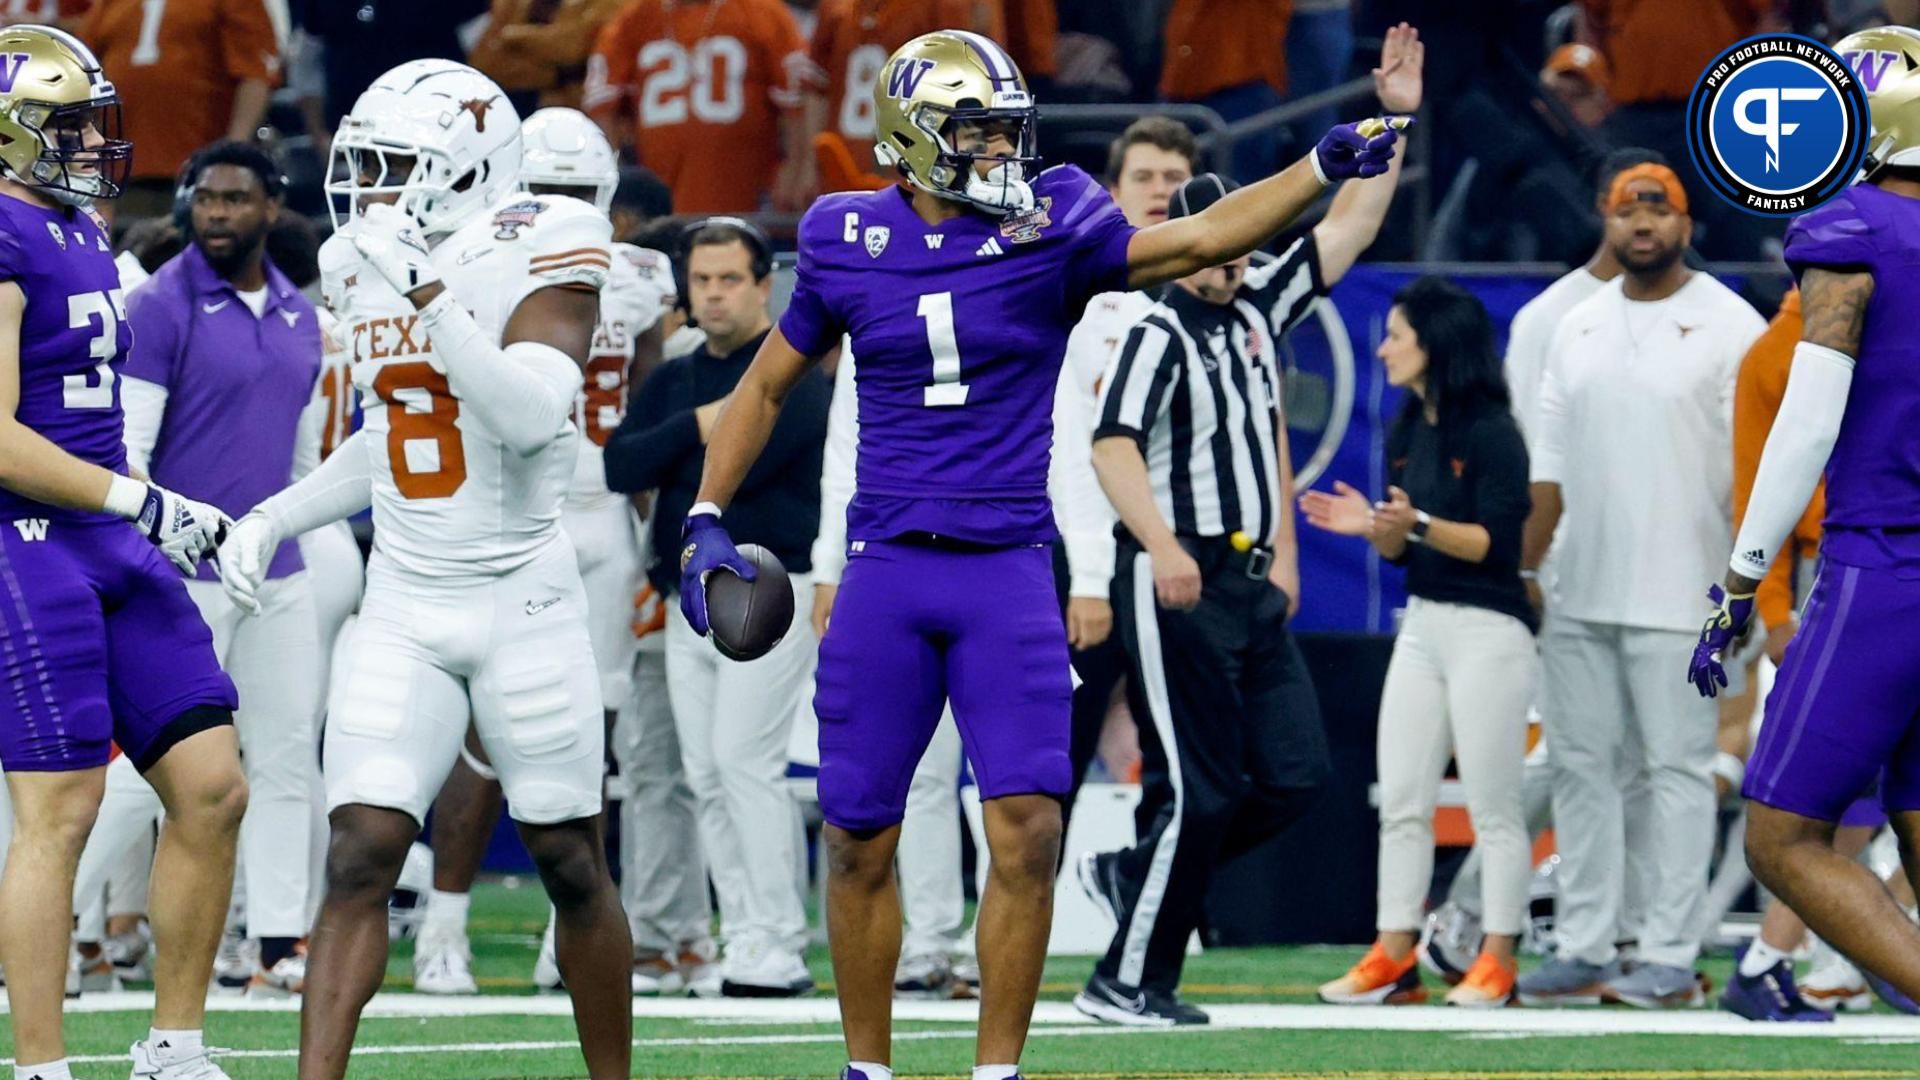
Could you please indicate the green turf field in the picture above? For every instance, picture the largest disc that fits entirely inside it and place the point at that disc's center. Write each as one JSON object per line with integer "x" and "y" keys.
{"x": 1262, "y": 1028}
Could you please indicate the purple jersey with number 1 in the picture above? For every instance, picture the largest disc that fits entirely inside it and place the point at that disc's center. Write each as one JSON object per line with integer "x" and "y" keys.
{"x": 1847, "y": 701}
{"x": 98, "y": 638}
{"x": 960, "y": 330}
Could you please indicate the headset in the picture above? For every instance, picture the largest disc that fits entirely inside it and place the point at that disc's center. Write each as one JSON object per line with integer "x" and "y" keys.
{"x": 758, "y": 246}
{"x": 184, "y": 183}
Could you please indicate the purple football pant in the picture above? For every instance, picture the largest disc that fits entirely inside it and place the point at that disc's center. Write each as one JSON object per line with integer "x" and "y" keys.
{"x": 914, "y": 626}
{"x": 1847, "y": 701}
{"x": 98, "y": 641}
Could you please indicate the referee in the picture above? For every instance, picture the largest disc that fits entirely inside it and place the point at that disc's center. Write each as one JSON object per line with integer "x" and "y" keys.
{"x": 1192, "y": 452}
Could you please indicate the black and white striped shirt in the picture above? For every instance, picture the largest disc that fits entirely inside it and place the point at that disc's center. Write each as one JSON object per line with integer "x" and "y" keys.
{"x": 1198, "y": 386}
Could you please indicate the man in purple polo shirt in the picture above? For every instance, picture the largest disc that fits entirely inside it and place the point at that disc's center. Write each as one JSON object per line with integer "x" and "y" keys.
{"x": 226, "y": 353}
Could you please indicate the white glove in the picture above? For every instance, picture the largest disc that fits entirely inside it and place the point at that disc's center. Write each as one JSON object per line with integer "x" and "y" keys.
{"x": 184, "y": 529}
{"x": 391, "y": 243}
{"x": 244, "y": 557}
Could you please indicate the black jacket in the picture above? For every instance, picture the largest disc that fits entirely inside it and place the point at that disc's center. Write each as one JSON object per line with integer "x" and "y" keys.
{"x": 657, "y": 447}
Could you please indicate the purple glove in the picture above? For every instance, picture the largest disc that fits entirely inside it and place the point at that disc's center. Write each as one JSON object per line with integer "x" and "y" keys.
{"x": 1359, "y": 149}
{"x": 705, "y": 547}
{"x": 1725, "y": 627}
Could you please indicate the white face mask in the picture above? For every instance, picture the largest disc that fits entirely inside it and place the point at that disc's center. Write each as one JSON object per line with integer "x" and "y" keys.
{"x": 1004, "y": 189}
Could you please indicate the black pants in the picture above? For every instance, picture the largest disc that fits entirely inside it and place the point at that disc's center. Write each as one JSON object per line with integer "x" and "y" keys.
{"x": 1222, "y": 695}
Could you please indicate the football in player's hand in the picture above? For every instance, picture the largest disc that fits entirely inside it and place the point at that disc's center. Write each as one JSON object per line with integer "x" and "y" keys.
{"x": 748, "y": 618}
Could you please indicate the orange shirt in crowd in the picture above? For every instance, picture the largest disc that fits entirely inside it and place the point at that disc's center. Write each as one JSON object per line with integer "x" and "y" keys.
{"x": 177, "y": 65}
{"x": 1761, "y": 385}
{"x": 43, "y": 12}
{"x": 542, "y": 45}
{"x": 704, "y": 85}
{"x": 1658, "y": 48}
{"x": 1032, "y": 30}
{"x": 853, "y": 38}
{"x": 1215, "y": 44}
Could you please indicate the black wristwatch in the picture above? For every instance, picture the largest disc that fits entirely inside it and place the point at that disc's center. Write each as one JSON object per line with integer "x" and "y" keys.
{"x": 1418, "y": 534}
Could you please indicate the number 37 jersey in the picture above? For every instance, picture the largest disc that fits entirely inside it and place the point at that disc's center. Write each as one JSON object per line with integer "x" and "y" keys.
{"x": 960, "y": 329}
{"x": 449, "y": 498}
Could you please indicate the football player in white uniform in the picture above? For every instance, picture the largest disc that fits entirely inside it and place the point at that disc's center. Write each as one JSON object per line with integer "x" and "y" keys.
{"x": 470, "y": 310}
{"x": 562, "y": 153}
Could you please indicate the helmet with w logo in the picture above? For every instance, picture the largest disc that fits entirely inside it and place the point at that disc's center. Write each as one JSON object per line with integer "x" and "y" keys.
{"x": 1886, "y": 59}
{"x": 939, "y": 81}
{"x": 59, "y": 117}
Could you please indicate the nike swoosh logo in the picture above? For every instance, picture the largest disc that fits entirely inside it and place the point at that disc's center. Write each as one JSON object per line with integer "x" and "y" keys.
{"x": 535, "y": 607}
{"x": 1136, "y": 1003}
{"x": 472, "y": 255}
{"x": 211, "y": 308}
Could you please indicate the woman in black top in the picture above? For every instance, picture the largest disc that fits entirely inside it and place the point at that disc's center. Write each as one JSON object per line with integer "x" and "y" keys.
{"x": 1463, "y": 666}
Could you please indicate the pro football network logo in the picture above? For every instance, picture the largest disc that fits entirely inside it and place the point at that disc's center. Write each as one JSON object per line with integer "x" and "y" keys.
{"x": 1778, "y": 124}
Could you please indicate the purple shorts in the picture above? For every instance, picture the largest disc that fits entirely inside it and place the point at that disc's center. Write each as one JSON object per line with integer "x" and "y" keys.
{"x": 98, "y": 641}
{"x": 914, "y": 626}
{"x": 1846, "y": 704}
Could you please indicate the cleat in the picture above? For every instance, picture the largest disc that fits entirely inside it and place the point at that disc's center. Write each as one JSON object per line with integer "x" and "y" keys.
{"x": 1563, "y": 981}
{"x": 929, "y": 975}
{"x": 1656, "y": 986}
{"x": 444, "y": 965}
{"x": 755, "y": 967}
{"x": 147, "y": 1064}
{"x": 1890, "y": 994}
{"x": 284, "y": 979}
{"x": 1769, "y": 997}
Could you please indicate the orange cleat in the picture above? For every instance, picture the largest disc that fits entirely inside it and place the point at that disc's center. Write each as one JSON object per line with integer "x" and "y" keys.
{"x": 1488, "y": 985}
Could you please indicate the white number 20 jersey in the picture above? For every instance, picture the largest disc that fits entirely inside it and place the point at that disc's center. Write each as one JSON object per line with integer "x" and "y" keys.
{"x": 449, "y": 498}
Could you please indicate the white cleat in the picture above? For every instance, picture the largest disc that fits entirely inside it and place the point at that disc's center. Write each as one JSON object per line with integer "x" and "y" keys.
{"x": 655, "y": 975}
{"x": 546, "y": 969}
{"x": 1836, "y": 985}
{"x": 147, "y": 1065}
{"x": 444, "y": 965}
{"x": 757, "y": 967}
{"x": 284, "y": 979}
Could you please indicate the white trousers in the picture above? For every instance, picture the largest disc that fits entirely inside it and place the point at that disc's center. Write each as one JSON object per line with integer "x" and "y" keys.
{"x": 732, "y": 719}
{"x": 663, "y": 876}
{"x": 932, "y": 894}
{"x": 275, "y": 661}
{"x": 337, "y": 575}
{"x": 1457, "y": 687}
{"x": 1608, "y": 686}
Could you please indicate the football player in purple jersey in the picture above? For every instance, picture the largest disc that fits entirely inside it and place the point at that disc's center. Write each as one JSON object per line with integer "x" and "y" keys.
{"x": 958, "y": 288}
{"x": 99, "y": 641}
{"x": 1847, "y": 702}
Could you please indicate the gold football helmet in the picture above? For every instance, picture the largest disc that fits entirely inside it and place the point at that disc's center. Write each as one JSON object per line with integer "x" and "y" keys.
{"x": 942, "y": 79}
{"x": 53, "y": 93}
{"x": 1886, "y": 59}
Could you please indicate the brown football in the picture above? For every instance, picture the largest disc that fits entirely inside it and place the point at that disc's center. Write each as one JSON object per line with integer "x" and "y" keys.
{"x": 748, "y": 618}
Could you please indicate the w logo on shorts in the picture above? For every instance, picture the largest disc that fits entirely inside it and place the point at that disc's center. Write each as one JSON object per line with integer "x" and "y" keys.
{"x": 31, "y": 529}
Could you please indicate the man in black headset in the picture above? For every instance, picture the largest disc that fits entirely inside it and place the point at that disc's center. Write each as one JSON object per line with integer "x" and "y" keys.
{"x": 733, "y": 719}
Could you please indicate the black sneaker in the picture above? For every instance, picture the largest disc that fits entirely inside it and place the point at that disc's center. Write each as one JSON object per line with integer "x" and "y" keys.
{"x": 1099, "y": 876}
{"x": 1113, "y": 1002}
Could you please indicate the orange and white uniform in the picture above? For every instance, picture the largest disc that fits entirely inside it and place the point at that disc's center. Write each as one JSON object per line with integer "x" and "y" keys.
{"x": 853, "y": 38}
{"x": 705, "y": 85}
{"x": 177, "y": 65}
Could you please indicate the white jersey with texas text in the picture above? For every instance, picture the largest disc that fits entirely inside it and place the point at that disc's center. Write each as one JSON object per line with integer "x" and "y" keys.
{"x": 449, "y": 498}
{"x": 639, "y": 290}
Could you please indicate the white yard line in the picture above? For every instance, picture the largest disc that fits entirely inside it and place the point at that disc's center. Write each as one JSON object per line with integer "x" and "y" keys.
{"x": 822, "y": 1010}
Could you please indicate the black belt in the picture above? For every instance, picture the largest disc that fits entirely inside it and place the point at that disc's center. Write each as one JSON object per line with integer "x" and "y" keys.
{"x": 1215, "y": 553}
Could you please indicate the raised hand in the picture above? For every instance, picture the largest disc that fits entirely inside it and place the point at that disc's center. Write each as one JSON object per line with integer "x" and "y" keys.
{"x": 1399, "y": 79}
{"x": 1357, "y": 150}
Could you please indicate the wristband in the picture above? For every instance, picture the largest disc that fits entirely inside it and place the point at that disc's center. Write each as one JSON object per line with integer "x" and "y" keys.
{"x": 704, "y": 508}
{"x": 125, "y": 497}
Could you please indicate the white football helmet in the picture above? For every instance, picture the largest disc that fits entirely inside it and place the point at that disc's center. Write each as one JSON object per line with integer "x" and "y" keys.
{"x": 564, "y": 149}
{"x": 407, "y": 906}
{"x": 438, "y": 137}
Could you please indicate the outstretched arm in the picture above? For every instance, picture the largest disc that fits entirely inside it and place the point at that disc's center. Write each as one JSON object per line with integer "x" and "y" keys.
{"x": 1803, "y": 433}
{"x": 1246, "y": 218}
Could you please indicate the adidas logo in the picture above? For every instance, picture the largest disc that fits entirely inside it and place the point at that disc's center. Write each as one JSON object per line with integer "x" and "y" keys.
{"x": 991, "y": 247}
{"x": 1755, "y": 556}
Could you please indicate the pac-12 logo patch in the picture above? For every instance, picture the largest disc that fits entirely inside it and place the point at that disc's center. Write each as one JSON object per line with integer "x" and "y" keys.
{"x": 1778, "y": 124}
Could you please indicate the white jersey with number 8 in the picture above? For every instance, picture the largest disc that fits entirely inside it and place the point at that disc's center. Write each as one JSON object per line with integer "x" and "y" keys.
{"x": 449, "y": 498}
